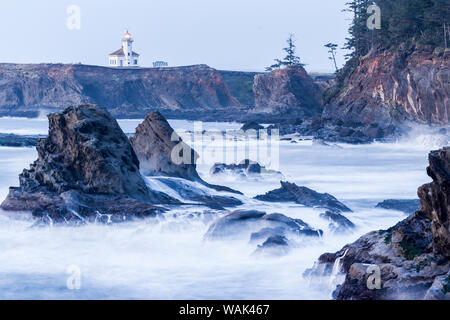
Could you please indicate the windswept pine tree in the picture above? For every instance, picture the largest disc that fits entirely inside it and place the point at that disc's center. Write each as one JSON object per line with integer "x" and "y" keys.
{"x": 291, "y": 60}
{"x": 406, "y": 26}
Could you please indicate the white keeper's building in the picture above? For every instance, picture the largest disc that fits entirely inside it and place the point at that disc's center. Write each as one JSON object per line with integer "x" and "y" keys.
{"x": 125, "y": 57}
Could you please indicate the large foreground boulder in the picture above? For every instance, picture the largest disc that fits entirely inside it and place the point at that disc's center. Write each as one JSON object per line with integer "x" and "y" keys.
{"x": 290, "y": 192}
{"x": 410, "y": 260}
{"x": 86, "y": 167}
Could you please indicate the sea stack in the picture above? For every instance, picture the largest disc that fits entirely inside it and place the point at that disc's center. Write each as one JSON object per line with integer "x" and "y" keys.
{"x": 85, "y": 167}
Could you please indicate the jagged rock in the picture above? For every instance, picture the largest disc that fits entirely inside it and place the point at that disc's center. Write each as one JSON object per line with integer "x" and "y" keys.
{"x": 252, "y": 125}
{"x": 233, "y": 223}
{"x": 339, "y": 223}
{"x": 274, "y": 246}
{"x": 406, "y": 206}
{"x": 247, "y": 222}
{"x": 287, "y": 93}
{"x": 435, "y": 199}
{"x": 85, "y": 167}
{"x": 290, "y": 192}
{"x": 412, "y": 257}
{"x": 162, "y": 152}
{"x": 245, "y": 167}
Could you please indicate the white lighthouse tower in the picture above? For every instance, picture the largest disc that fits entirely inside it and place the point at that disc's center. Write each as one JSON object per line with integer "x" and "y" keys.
{"x": 125, "y": 57}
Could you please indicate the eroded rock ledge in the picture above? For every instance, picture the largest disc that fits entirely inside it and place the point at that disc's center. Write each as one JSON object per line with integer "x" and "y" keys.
{"x": 413, "y": 257}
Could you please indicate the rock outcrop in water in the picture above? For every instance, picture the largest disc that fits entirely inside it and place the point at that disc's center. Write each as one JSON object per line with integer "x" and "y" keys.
{"x": 287, "y": 93}
{"x": 412, "y": 259}
{"x": 162, "y": 152}
{"x": 290, "y": 192}
{"x": 86, "y": 168}
{"x": 387, "y": 87}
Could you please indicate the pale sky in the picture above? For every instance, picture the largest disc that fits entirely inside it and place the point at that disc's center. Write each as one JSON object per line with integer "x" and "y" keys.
{"x": 225, "y": 34}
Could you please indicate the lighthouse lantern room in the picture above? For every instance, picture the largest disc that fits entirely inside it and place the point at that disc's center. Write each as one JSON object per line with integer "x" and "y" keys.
{"x": 125, "y": 57}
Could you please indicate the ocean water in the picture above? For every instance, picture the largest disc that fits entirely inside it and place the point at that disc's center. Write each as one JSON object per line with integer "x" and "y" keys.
{"x": 169, "y": 258}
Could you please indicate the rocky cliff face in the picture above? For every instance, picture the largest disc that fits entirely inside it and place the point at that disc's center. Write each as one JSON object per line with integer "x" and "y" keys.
{"x": 389, "y": 87}
{"x": 86, "y": 168}
{"x": 411, "y": 259}
{"x": 285, "y": 93}
{"x": 193, "y": 92}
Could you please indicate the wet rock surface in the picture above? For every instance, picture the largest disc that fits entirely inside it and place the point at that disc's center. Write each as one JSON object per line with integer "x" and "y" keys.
{"x": 252, "y": 125}
{"x": 406, "y": 206}
{"x": 412, "y": 257}
{"x": 290, "y": 192}
{"x": 85, "y": 167}
{"x": 260, "y": 228}
{"x": 162, "y": 152}
{"x": 338, "y": 223}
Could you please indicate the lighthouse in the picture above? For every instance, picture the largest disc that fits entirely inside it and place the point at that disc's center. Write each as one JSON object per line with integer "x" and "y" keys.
{"x": 125, "y": 57}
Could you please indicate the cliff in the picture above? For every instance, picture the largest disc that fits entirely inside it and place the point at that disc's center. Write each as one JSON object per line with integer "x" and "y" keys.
{"x": 411, "y": 260}
{"x": 192, "y": 92}
{"x": 287, "y": 93}
{"x": 388, "y": 87}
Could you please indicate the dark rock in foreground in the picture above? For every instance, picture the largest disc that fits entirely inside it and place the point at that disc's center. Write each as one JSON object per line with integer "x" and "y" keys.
{"x": 290, "y": 192}
{"x": 14, "y": 140}
{"x": 412, "y": 258}
{"x": 406, "y": 206}
{"x": 338, "y": 223}
{"x": 86, "y": 167}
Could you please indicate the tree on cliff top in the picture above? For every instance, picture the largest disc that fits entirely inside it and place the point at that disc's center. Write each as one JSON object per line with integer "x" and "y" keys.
{"x": 291, "y": 60}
